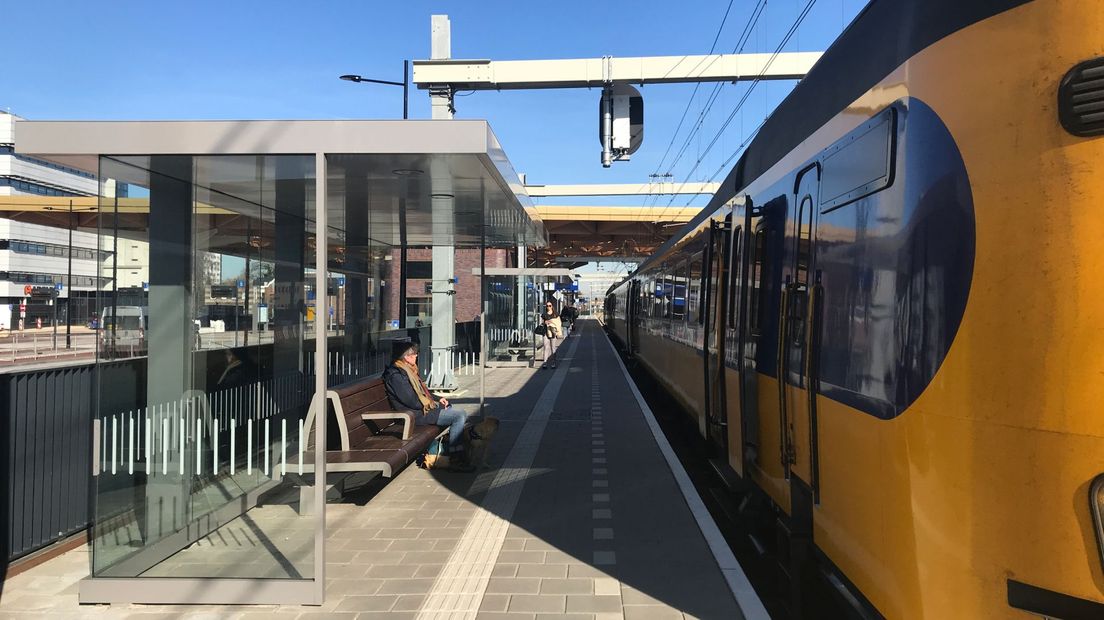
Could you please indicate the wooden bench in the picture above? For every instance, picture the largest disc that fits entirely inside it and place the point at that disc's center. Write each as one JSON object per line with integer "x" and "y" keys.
{"x": 368, "y": 436}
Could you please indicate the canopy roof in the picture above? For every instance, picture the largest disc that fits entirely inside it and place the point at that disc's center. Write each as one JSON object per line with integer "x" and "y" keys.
{"x": 448, "y": 182}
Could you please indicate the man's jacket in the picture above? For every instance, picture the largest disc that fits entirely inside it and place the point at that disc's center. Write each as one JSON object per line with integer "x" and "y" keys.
{"x": 400, "y": 393}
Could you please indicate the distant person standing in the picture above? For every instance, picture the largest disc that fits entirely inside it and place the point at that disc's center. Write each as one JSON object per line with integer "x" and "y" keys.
{"x": 568, "y": 315}
{"x": 553, "y": 331}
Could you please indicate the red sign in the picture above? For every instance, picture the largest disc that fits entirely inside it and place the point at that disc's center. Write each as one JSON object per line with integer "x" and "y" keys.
{"x": 27, "y": 289}
{"x": 22, "y": 307}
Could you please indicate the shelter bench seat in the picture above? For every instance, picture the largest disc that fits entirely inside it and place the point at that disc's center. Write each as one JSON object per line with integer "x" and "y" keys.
{"x": 369, "y": 435}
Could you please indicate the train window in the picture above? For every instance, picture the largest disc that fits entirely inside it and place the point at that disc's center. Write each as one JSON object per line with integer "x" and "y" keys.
{"x": 757, "y": 280}
{"x": 694, "y": 290}
{"x": 804, "y": 240}
{"x": 859, "y": 164}
{"x": 734, "y": 267}
{"x": 678, "y": 293}
{"x": 668, "y": 293}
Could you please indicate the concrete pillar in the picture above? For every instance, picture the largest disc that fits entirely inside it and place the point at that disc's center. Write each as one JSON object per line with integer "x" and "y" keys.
{"x": 358, "y": 267}
{"x": 444, "y": 323}
{"x": 288, "y": 307}
{"x": 440, "y": 99}
{"x": 170, "y": 333}
{"x": 522, "y": 297}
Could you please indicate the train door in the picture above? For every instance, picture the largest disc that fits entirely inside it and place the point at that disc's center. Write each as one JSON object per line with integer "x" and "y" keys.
{"x": 796, "y": 356}
{"x": 632, "y": 317}
{"x": 758, "y": 238}
{"x": 713, "y": 324}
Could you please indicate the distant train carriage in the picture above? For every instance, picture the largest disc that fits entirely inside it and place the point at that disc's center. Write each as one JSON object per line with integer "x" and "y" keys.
{"x": 889, "y": 318}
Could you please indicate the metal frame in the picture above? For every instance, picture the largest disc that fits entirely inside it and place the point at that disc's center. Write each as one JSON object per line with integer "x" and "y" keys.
{"x": 258, "y": 591}
{"x": 80, "y": 145}
{"x": 482, "y": 74}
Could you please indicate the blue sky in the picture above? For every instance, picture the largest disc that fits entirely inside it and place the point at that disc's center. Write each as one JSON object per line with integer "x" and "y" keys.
{"x": 229, "y": 60}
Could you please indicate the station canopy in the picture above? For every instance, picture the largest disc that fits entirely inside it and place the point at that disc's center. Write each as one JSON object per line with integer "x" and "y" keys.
{"x": 418, "y": 183}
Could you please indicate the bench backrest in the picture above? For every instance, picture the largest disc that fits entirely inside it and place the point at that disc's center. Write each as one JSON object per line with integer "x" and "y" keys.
{"x": 364, "y": 396}
{"x": 357, "y": 397}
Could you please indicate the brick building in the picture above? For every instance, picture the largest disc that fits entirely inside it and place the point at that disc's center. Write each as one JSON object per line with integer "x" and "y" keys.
{"x": 419, "y": 270}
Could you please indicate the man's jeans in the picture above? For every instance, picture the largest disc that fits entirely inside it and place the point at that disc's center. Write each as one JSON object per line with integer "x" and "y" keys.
{"x": 451, "y": 417}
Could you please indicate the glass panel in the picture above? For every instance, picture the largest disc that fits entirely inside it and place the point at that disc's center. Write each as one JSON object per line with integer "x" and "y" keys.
{"x": 205, "y": 368}
{"x": 694, "y": 289}
{"x": 678, "y": 299}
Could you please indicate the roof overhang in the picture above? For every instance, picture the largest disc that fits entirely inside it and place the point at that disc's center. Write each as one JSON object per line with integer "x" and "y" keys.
{"x": 464, "y": 191}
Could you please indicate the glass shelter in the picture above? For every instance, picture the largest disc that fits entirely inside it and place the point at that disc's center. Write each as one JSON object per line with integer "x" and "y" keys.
{"x": 245, "y": 273}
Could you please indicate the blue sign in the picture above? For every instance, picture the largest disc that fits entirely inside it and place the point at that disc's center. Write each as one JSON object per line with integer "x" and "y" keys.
{"x": 341, "y": 281}
{"x": 310, "y": 295}
{"x": 145, "y": 286}
{"x": 58, "y": 287}
{"x": 241, "y": 283}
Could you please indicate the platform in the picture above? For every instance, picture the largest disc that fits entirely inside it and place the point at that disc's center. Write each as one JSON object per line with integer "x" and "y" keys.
{"x": 580, "y": 515}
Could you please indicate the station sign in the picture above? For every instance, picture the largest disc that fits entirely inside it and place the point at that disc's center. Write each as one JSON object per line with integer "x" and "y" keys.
{"x": 220, "y": 291}
{"x": 40, "y": 291}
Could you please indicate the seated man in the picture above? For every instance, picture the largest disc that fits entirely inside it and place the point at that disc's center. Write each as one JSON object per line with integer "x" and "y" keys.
{"x": 407, "y": 392}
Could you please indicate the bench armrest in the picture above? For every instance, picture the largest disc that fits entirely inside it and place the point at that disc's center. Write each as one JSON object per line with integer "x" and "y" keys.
{"x": 407, "y": 418}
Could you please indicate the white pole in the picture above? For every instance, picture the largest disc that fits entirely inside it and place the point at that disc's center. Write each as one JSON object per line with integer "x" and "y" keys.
{"x": 214, "y": 446}
{"x": 199, "y": 446}
{"x": 267, "y": 435}
{"x": 249, "y": 446}
{"x": 164, "y": 446}
{"x": 183, "y": 432}
{"x": 283, "y": 447}
{"x": 233, "y": 448}
{"x": 130, "y": 437}
{"x": 114, "y": 443}
{"x": 149, "y": 445}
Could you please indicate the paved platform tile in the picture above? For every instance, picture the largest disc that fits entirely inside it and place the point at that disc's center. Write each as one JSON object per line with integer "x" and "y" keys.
{"x": 406, "y": 586}
{"x": 494, "y": 602}
{"x": 651, "y": 612}
{"x": 546, "y": 571}
{"x": 500, "y": 615}
{"x": 582, "y": 603}
{"x": 567, "y": 586}
{"x": 366, "y": 603}
{"x": 517, "y": 585}
{"x": 386, "y": 571}
{"x": 511, "y": 570}
{"x": 409, "y": 602}
{"x": 537, "y": 603}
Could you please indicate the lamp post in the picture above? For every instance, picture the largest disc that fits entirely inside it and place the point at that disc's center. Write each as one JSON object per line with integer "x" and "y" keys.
{"x": 405, "y": 84}
{"x": 402, "y": 250}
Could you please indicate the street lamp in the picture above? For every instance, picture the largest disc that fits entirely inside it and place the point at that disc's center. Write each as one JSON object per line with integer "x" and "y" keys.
{"x": 402, "y": 250}
{"x": 405, "y": 84}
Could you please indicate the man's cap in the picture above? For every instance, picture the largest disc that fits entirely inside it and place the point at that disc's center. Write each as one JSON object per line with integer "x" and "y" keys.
{"x": 400, "y": 347}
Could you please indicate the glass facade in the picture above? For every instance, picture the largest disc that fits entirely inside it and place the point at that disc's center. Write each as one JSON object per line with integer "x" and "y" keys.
{"x": 204, "y": 440}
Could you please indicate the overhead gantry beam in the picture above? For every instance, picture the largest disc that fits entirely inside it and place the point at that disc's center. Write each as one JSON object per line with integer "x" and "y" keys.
{"x": 621, "y": 189}
{"x": 597, "y": 72}
{"x": 565, "y": 213}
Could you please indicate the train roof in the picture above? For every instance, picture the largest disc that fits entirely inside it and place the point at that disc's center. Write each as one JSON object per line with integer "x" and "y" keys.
{"x": 881, "y": 38}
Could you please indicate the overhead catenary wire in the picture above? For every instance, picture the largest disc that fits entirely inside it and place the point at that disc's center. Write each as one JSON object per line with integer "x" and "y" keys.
{"x": 789, "y": 34}
{"x": 741, "y": 42}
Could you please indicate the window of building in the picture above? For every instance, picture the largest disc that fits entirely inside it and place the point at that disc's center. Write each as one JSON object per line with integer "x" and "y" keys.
{"x": 419, "y": 270}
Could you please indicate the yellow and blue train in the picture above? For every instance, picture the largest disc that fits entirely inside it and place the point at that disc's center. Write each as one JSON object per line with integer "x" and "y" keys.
{"x": 891, "y": 317}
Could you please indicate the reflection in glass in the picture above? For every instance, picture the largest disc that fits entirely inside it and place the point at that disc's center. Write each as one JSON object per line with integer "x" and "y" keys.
{"x": 205, "y": 368}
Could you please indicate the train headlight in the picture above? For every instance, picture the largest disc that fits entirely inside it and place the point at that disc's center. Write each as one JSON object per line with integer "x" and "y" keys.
{"x": 1096, "y": 504}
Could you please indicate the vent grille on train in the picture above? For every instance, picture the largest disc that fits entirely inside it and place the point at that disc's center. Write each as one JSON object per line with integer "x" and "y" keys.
{"x": 1081, "y": 99}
